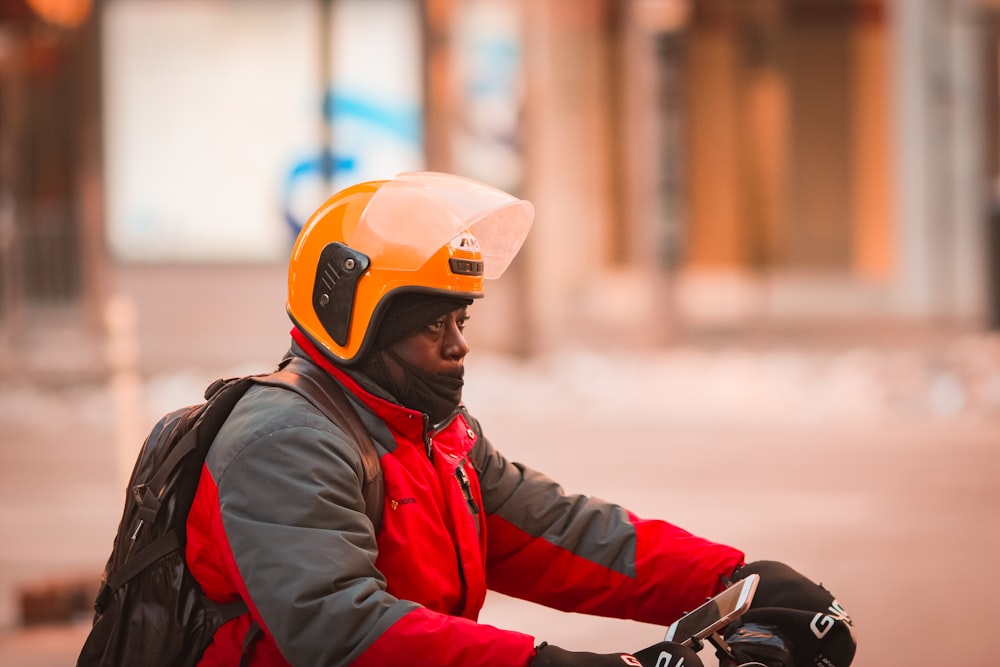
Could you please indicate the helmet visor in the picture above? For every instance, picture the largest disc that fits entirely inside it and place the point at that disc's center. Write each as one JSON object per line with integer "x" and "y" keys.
{"x": 414, "y": 215}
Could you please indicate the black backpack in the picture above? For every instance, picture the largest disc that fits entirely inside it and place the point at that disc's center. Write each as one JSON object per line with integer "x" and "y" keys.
{"x": 150, "y": 610}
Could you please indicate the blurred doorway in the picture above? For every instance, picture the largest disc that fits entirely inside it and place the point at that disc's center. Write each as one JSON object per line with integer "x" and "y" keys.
{"x": 51, "y": 217}
{"x": 788, "y": 137}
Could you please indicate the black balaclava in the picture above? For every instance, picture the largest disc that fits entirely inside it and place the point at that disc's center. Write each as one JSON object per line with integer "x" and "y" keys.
{"x": 436, "y": 394}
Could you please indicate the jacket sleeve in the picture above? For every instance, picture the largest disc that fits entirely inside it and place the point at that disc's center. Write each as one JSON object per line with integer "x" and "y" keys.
{"x": 304, "y": 551}
{"x": 587, "y": 555}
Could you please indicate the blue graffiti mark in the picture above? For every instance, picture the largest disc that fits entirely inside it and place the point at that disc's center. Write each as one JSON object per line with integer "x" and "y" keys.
{"x": 392, "y": 122}
{"x": 496, "y": 63}
{"x": 311, "y": 167}
{"x": 404, "y": 123}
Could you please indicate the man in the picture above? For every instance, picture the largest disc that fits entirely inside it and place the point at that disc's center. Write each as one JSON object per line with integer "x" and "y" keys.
{"x": 380, "y": 281}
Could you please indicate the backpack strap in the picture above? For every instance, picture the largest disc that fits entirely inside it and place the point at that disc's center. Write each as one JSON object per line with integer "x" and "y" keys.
{"x": 253, "y": 632}
{"x": 316, "y": 386}
{"x": 152, "y": 552}
{"x": 222, "y": 399}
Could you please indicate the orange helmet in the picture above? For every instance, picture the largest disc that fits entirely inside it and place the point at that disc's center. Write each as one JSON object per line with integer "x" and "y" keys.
{"x": 419, "y": 232}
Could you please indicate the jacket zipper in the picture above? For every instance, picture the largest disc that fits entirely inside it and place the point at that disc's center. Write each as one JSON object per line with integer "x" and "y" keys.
{"x": 466, "y": 484}
{"x": 431, "y": 430}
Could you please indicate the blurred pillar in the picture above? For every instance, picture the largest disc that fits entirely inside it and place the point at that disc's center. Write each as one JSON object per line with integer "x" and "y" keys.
{"x": 933, "y": 241}
{"x": 871, "y": 163}
{"x": 967, "y": 301}
{"x": 11, "y": 106}
{"x": 90, "y": 175}
{"x": 993, "y": 261}
{"x": 566, "y": 161}
{"x": 327, "y": 155}
{"x": 604, "y": 86}
{"x": 990, "y": 15}
{"x": 652, "y": 129}
{"x": 439, "y": 103}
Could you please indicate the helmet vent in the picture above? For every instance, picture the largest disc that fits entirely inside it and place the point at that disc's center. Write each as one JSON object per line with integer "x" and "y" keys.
{"x": 337, "y": 274}
{"x": 465, "y": 267}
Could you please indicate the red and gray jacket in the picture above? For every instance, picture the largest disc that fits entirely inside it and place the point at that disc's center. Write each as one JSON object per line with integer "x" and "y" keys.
{"x": 279, "y": 520}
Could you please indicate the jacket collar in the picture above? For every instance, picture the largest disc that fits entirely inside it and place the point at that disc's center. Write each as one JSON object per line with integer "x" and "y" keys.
{"x": 410, "y": 423}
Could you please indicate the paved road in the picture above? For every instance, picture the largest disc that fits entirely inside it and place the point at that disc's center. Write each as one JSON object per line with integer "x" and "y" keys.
{"x": 898, "y": 520}
{"x": 889, "y": 496}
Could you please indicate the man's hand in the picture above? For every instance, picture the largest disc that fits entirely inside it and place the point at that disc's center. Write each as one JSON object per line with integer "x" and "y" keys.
{"x": 792, "y": 621}
{"x": 664, "y": 654}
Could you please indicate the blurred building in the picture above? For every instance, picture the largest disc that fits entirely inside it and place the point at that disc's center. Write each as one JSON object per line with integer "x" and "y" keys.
{"x": 772, "y": 162}
{"x": 736, "y": 166}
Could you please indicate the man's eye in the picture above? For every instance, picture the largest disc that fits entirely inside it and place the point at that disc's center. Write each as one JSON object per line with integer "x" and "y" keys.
{"x": 436, "y": 325}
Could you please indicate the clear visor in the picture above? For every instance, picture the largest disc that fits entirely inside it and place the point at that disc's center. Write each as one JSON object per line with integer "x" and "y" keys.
{"x": 417, "y": 213}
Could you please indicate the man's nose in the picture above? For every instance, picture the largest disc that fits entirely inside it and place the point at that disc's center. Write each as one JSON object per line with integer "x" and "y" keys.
{"x": 455, "y": 345}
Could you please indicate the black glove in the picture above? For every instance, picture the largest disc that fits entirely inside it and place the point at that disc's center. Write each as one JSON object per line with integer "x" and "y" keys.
{"x": 668, "y": 654}
{"x": 664, "y": 654}
{"x": 792, "y": 622}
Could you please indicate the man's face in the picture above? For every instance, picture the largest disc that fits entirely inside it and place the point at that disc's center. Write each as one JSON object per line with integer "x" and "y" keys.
{"x": 440, "y": 347}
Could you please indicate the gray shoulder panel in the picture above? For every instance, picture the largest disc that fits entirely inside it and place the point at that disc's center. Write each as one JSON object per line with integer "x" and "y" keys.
{"x": 290, "y": 496}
